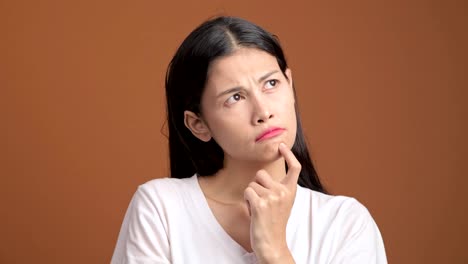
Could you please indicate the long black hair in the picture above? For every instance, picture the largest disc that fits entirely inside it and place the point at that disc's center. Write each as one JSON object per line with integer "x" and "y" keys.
{"x": 185, "y": 83}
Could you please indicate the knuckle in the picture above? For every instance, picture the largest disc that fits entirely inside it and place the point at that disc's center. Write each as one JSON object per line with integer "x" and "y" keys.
{"x": 262, "y": 204}
{"x": 296, "y": 166}
{"x": 261, "y": 175}
{"x": 272, "y": 197}
{"x": 282, "y": 194}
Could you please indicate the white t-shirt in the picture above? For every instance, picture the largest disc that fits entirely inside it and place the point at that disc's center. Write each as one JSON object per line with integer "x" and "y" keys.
{"x": 169, "y": 221}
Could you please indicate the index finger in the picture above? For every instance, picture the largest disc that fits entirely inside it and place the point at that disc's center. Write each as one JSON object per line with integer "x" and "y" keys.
{"x": 294, "y": 167}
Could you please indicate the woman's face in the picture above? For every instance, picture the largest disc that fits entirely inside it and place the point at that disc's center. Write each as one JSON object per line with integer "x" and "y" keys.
{"x": 248, "y": 105}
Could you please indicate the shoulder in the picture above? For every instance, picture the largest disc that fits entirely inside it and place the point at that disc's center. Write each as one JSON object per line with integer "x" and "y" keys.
{"x": 163, "y": 192}
{"x": 144, "y": 235}
{"x": 339, "y": 205}
{"x": 337, "y": 214}
{"x": 331, "y": 204}
{"x": 167, "y": 182}
{"x": 166, "y": 186}
{"x": 345, "y": 225}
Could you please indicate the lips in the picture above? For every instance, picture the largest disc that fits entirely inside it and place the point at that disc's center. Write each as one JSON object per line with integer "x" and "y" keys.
{"x": 269, "y": 133}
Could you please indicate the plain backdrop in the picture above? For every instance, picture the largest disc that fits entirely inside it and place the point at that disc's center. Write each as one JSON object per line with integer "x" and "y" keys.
{"x": 382, "y": 89}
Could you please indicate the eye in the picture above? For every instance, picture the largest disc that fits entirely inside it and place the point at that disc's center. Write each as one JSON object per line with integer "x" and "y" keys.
{"x": 271, "y": 84}
{"x": 233, "y": 99}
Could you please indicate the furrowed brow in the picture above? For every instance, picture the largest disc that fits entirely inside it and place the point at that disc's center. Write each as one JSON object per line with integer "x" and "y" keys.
{"x": 238, "y": 88}
{"x": 264, "y": 77}
{"x": 228, "y": 91}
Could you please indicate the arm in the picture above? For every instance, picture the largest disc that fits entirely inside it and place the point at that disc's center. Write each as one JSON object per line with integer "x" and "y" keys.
{"x": 362, "y": 241}
{"x": 142, "y": 238}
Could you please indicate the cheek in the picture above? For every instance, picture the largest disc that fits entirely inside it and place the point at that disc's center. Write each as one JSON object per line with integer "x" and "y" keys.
{"x": 286, "y": 105}
{"x": 225, "y": 130}
{"x": 293, "y": 125}
{"x": 290, "y": 119}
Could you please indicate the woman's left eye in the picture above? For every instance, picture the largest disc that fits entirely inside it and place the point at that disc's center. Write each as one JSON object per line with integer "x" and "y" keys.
{"x": 271, "y": 83}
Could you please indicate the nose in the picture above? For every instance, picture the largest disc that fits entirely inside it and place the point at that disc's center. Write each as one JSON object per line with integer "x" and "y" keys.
{"x": 264, "y": 118}
{"x": 262, "y": 113}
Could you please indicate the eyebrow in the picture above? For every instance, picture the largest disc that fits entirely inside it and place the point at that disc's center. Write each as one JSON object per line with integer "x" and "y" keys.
{"x": 238, "y": 88}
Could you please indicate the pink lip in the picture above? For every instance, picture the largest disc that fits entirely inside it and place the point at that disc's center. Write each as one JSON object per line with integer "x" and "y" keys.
{"x": 269, "y": 133}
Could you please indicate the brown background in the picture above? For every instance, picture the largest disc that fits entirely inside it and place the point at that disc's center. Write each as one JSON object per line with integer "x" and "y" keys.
{"x": 382, "y": 87}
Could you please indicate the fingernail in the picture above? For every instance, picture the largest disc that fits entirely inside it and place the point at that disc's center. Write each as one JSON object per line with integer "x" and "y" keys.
{"x": 282, "y": 145}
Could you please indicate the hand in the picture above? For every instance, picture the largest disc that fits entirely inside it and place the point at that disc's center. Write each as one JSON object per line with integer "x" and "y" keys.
{"x": 270, "y": 203}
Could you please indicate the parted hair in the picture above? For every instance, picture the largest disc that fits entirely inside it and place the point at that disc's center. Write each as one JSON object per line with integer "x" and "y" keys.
{"x": 185, "y": 82}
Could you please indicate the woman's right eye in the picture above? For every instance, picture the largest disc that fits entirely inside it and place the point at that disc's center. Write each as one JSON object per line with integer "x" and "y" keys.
{"x": 233, "y": 99}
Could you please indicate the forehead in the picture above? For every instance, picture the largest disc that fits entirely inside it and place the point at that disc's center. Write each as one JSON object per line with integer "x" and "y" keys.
{"x": 243, "y": 63}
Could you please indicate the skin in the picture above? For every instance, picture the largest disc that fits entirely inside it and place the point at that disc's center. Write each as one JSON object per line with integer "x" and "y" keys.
{"x": 252, "y": 195}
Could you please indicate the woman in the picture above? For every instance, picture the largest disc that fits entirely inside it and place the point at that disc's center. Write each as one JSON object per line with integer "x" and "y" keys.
{"x": 243, "y": 188}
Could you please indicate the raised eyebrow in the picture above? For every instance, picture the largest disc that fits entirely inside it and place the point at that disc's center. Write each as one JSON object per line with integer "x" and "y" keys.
{"x": 228, "y": 91}
{"x": 238, "y": 88}
{"x": 264, "y": 77}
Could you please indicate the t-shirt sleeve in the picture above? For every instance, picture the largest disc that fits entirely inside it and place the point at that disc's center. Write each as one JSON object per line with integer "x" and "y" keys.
{"x": 362, "y": 241}
{"x": 143, "y": 237}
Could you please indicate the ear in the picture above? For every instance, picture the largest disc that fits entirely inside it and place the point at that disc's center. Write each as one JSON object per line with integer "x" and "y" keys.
{"x": 197, "y": 126}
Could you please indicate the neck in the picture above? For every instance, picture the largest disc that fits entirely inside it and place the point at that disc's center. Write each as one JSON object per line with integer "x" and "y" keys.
{"x": 229, "y": 183}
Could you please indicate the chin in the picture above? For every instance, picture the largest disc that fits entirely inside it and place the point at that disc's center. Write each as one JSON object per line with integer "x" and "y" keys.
{"x": 268, "y": 152}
